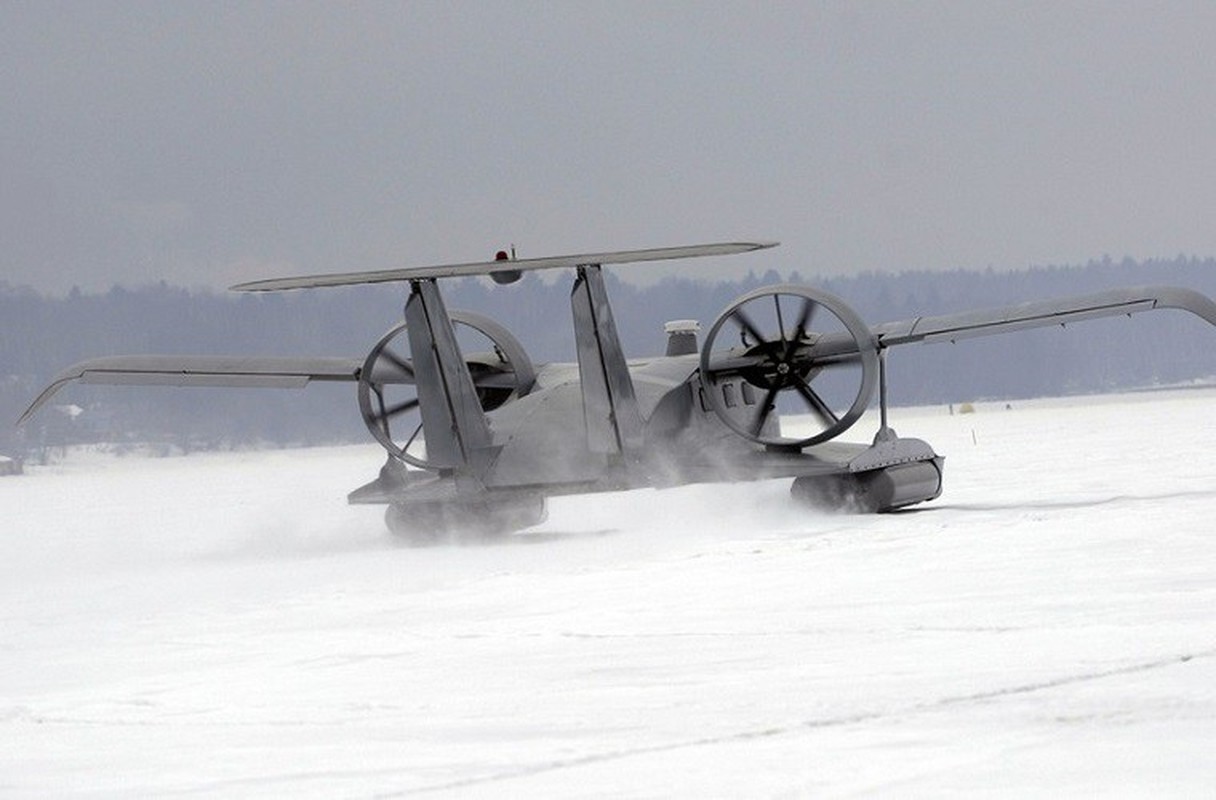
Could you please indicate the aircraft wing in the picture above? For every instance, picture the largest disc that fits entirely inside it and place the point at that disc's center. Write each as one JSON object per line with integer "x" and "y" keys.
{"x": 230, "y": 371}
{"x": 498, "y": 267}
{"x": 1045, "y": 313}
{"x": 989, "y": 322}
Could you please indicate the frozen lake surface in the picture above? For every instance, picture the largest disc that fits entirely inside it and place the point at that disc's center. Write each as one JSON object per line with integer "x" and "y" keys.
{"x": 224, "y": 624}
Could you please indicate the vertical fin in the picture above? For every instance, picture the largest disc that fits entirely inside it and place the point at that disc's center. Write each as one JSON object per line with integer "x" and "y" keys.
{"x": 614, "y": 423}
{"x": 453, "y": 424}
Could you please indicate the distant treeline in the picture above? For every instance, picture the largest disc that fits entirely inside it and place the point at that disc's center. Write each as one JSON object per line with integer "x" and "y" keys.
{"x": 41, "y": 335}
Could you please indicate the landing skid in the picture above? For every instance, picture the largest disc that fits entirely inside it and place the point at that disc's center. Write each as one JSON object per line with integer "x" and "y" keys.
{"x": 468, "y": 521}
{"x": 873, "y": 491}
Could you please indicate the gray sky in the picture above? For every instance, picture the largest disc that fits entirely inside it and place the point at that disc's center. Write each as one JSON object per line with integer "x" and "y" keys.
{"x": 206, "y": 143}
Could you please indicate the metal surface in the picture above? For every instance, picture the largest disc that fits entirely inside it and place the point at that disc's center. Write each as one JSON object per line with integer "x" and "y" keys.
{"x": 224, "y": 371}
{"x": 453, "y": 423}
{"x": 610, "y": 406}
{"x": 500, "y": 267}
{"x": 1044, "y": 313}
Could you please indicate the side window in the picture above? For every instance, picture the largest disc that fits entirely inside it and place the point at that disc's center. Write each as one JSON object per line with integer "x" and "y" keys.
{"x": 749, "y": 393}
{"x": 728, "y": 394}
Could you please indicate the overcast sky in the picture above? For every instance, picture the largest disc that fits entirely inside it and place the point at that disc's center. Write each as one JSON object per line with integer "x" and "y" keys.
{"x": 206, "y": 143}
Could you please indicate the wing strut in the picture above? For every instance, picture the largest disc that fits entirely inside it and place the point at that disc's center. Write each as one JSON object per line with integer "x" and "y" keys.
{"x": 453, "y": 424}
{"x": 610, "y": 407}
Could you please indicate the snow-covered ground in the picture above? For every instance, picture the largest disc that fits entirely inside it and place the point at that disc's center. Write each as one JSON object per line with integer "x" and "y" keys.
{"x": 227, "y": 625}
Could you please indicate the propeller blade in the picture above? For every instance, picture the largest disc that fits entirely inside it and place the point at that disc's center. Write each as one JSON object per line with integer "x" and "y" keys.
{"x": 401, "y": 408}
{"x": 780, "y": 321}
{"x": 804, "y": 319}
{"x": 747, "y": 325}
{"x": 825, "y": 414}
{"x": 413, "y": 436}
{"x": 397, "y": 361}
{"x": 765, "y": 408}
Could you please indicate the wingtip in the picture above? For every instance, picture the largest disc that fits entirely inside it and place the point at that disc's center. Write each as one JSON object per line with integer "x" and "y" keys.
{"x": 38, "y": 403}
{"x": 247, "y": 286}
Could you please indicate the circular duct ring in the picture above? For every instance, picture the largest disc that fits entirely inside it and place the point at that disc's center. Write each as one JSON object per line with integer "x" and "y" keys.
{"x": 795, "y": 345}
{"x": 388, "y": 399}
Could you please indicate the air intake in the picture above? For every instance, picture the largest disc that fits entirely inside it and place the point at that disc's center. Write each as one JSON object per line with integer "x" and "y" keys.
{"x": 682, "y": 336}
